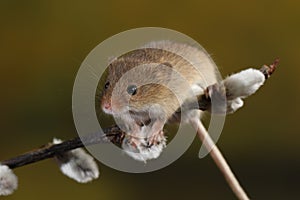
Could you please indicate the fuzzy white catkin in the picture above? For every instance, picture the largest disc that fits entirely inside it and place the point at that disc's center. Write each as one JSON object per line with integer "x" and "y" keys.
{"x": 235, "y": 104}
{"x": 77, "y": 164}
{"x": 244, "y": 83}
{"x": 8, "y": 181}
{"x": 143, "y": 153}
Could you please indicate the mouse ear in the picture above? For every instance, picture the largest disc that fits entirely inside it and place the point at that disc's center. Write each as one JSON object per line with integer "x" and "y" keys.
{"x": 166, "y": 64}
{"x": 163, "y": 72}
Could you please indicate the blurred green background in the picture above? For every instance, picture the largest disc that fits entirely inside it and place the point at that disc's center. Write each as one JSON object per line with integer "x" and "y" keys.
{"x": 42, "y": 44}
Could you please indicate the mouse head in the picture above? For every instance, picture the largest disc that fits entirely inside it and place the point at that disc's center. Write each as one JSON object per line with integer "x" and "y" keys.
{"x": 132, "y": 85}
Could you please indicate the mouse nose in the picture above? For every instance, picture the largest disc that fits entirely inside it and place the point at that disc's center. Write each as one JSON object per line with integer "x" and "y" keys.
{"x": 107, "y": 106}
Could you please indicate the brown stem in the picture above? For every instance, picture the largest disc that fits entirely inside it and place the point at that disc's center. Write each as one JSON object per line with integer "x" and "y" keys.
{"x": 113, "y": 134}
{"x": 219, "y": 159}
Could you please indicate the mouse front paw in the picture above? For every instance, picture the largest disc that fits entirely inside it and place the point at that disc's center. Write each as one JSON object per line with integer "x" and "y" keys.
{"x": 144, "y": 149}
{"x": 155, "y": 139}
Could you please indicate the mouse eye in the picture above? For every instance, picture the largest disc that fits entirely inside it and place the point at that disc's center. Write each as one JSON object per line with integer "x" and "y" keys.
{"x": 131, "y": 89}
{"x": 106, "y": 85}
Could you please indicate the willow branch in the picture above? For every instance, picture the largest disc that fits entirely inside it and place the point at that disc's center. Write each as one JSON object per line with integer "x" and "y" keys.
{"x": 112, "y": 134}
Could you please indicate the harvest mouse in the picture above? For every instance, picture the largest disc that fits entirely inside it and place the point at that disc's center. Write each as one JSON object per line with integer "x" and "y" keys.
{"x": 146, "y": 86}
{"x": 152, "y": 85}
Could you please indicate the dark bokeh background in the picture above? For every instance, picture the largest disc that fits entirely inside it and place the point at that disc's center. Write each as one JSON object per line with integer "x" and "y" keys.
{"x": 42, "y": 44}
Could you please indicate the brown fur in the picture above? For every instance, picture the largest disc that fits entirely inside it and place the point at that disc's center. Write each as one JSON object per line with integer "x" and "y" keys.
{"x": 152, "y": 94}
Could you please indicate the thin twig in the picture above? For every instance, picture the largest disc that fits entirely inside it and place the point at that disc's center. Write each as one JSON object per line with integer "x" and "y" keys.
{"x": 219, "y": 159}
{"x": 116, "y": 135}
{"x": 113, "y": 134}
